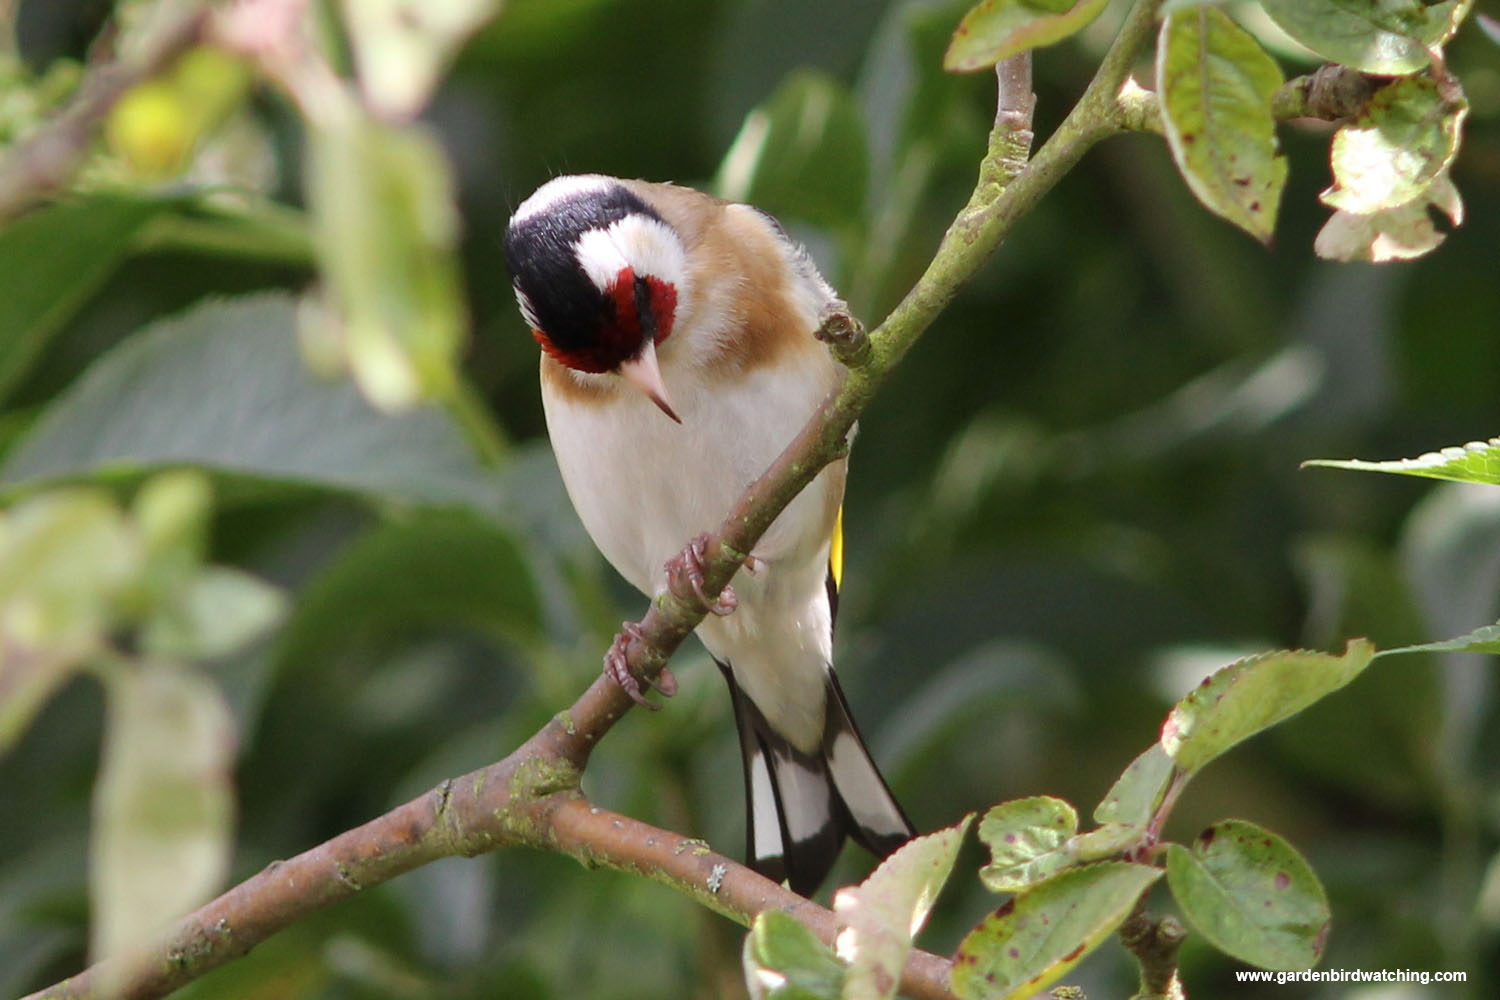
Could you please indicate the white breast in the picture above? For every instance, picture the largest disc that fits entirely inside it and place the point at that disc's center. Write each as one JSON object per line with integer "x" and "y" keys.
{"x": 644, "y": 486}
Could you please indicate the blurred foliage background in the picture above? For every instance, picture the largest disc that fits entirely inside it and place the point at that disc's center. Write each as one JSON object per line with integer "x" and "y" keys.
{"x": 1078, "y": 495}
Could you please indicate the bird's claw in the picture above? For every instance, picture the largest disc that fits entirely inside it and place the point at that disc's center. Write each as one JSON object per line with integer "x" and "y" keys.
{"x": 617, "y": 668}
{"x": 688, "y": 565}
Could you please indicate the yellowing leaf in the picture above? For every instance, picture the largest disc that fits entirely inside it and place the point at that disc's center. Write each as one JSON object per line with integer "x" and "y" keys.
{"x": 65, "y": 559}
{"x": 1397, "y": 148}
{"x": 998, "y": 29}
{"x": 1216, "y": 84}
{"x": 217, "y": 612}
{"x": 163, "y": 807}
{"x": 385, "y": 227}
{"x": 1399, "y": 233}
{"x": 885, "y": 912}
{"x": 401, "y": 46}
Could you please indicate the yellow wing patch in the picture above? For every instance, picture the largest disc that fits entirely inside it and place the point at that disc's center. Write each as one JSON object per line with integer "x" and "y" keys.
{"x": 836, "y": 551}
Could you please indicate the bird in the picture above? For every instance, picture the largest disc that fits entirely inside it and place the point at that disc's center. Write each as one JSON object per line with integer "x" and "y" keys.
{"x": 679, "y": 357}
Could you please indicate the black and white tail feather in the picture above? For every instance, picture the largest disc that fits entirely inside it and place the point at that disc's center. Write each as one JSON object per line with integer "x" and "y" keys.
{"x": 799, "y": 807}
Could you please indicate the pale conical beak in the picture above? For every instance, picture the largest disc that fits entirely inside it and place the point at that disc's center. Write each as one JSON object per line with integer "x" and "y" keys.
{"x": 643, "y": 372}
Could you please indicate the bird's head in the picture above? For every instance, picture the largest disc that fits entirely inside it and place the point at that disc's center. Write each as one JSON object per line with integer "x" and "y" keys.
{"x": 598, "y": 274}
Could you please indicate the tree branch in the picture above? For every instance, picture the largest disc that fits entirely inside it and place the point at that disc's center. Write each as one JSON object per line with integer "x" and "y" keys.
{"x": 532, "y": 797}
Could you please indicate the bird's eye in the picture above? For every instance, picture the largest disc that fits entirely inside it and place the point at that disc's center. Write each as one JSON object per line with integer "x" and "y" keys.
{"x": 658, "y": 300}
{"x": 645, "y": 309}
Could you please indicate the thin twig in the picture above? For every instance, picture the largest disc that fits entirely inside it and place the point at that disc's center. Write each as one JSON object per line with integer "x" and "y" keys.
{"x": 1015, "y": 107}
{"x": 44, "y": 163}
{"x": 1331, "y": 93}
{"x": 1154, "y": 942}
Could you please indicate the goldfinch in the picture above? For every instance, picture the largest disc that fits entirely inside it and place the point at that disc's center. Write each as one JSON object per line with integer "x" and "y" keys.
{"x": 679, "y": 358}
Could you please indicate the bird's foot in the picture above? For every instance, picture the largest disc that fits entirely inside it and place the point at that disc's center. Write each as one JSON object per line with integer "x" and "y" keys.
{"x": 687, "y": 566}
{"x": 617, "y": 668}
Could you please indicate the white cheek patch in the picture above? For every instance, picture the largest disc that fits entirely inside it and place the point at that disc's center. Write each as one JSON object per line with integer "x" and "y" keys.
{"x": 528, "y": 312}
{"x": 557, "y": 191}
{"x": 644, "y": 244}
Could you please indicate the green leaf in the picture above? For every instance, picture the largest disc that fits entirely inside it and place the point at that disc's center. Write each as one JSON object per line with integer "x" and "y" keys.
{"x": 801, "y": 155}
{"x": 1133, "y": 799}
{"x": 1105, "y": 841}
{"x": 65, "y": 559}
{"x": 784, "y": 961}
{"x": 163, "y": 807}
{"x": 171, "y": 510}
{"x": 1253, "y": 694}
{"x": 51, "y": 261}
{"x": 1127, "y": 810}
{"x": 1036, "y": 937}
{"x": 248, "y": 228}
{"x": 1475, "y": 462}
{"x": 171, "y": 513}
{"x": 440, "y": 568}
{"x": 1405, "y": 138}
{"x": 402, "y": 46}
{"x": 1216, "y": 84}
{"x": 885, "y": 912}
{"x": 1400, "y": 233}
{"x": 1485, "y": 639}
{"x": 1028, "y": 841}
{"x": 217, "y": 613}
{"x": 29, "y": 675}
{"x": 256, "y": 411}
{"x": 385, "y": 226}
{"x": 1252, "y": 895}
{"x": 1385, "y": 37}
{"x": 998, "y": 29}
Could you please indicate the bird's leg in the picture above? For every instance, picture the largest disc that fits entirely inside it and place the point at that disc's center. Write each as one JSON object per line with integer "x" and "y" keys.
{"x": 687, "y": 566}
{"x": 617, "y": 668}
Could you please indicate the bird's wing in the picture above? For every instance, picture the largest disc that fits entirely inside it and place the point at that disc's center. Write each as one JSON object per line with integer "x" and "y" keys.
{"x": 835, "y": 565}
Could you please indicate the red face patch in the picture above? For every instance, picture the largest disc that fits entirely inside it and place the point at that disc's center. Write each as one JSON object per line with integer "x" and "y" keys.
{"x": 663, "y": 306}
{"x": 632, "y": 306}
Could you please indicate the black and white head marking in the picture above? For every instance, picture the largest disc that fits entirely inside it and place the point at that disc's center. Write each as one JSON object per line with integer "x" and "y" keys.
{"x": 569, "y": 246}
